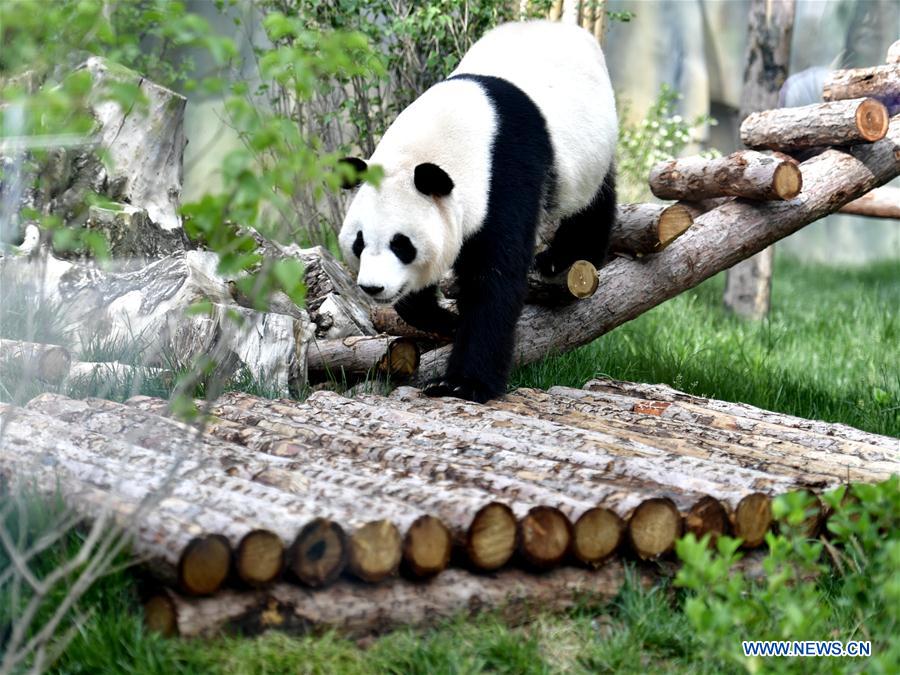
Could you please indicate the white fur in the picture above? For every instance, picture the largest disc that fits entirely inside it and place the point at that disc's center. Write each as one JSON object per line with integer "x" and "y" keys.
{"x": 562, "y": 69}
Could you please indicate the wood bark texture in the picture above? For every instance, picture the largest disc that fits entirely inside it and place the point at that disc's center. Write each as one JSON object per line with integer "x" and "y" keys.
{"x": 834, "y": 123}
{"x": 359, "y": 611}
{"x": 881, "y": 83}
{"x": 397, "y": 357}
{"x": 718, "y": 240}
{"x": 647, "y": 228}
{"x": 883, "y": 202}
{"x": 745, "y": 173}
{"x": 748, "y": 284}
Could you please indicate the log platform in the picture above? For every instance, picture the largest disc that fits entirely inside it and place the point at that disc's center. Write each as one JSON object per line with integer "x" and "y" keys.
{"x": 368, "y": 513}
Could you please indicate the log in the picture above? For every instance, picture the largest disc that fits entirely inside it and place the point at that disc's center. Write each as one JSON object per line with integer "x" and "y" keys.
{"x": 259, "y": 558}
{"x": 386, "y": 320}
{"x": 426, "y": 547}
{"x": 812, "y": 523}
{"x": 375, "y": 550}
{"x": 204, "y": 564}
{"x": 653, "y": 528}
{"x": 745, "y": 173}
{"x": 337, "y": 306}
{"x": 482, "y": 528}
{"x": 319, "y": 553}
{"x": 545, "y": 535}
{"x": 880, "y": 82}
{"x": 49, "y": 363}
{"x": 752, "y": 519}
{"x": 576, "y": 283}
{"x": 281, "y": 494}
{"x": 553, "y": 428}
{"x": 597, "y": 535}
{"x": 153, "y": 302}
{"x": 807, "y": 458}
{"x": 834, "y": 123}
{"x": 707, "y": 516}
{"x": 748, "y": 284}
{"x": 883, "y": 202}
{"x": 748, "y": 418}
{"x": 397, "y": 357}
{"x": 647, "y": 228}
{"x": 893, "y": 54}
{"x": 359, "y": 611}
{"x": 717, "y": 241}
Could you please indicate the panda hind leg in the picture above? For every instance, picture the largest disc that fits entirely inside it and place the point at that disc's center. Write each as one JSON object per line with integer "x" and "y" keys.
{"x": 584, "y": 235}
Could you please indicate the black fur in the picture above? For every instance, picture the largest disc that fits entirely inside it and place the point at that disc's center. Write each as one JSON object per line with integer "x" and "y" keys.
{"x": 584, "y": 235}
{"x": 403, "y": 248}
{"x": 422, "y": 310}
{"x": 358, "y": 244}
{"x": 493, "y": 264}
{"x": 432, "y": 180}
{"x": 359, "y": 166}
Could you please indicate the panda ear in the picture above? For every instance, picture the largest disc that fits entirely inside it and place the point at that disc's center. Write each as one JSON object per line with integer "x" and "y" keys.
{"x": 359, "y": 166}
{"x": 432, "y": 180}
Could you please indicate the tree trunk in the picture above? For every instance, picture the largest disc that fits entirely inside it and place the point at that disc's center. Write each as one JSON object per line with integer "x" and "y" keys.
{"x": 718, "y": 240}
{"x": 748, "y": 284}
{"x": 836, "y": 123}
{"x": 883, "y": 202}
{"x": 745, "y": 173}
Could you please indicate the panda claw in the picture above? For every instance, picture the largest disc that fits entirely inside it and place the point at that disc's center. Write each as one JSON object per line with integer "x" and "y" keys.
{"x": 466, "y": 389}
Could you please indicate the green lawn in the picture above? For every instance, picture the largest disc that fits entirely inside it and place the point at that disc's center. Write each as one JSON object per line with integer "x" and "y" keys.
{"x": 830, "y": 351}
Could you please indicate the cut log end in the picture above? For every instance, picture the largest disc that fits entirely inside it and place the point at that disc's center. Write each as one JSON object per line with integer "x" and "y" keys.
{"x": 375, "y": 551}
{"x": 401, "y": 359}
{"x": 545, "y": 535}
{"x": 204, "y": 565}
{"x": 582, "y": 279}
{"x": 787, "y": 181}
{"x": 707, "y": 516}
{"x": 811, "y": 525}
{"x": 753, "y": 519}
{"x": 426, "y": 547}
{"x": 596, "y": 535}
{"x": 653, "y": 528}
{"x": 319, "y": 553}
{"x": 872, "y": 120}
{"x": 673, "y": 222}
{"x": 160, "y": 616}
{"x": 259, "y": 558}
{"x": 491, "y": 537}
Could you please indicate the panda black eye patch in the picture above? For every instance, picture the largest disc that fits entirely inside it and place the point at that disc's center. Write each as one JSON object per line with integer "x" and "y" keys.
{"x": 358, "y": 244}
{"x": 403, "y": 248}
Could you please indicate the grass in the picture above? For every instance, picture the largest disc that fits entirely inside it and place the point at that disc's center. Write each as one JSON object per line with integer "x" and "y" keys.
{"x": 829, "y": 350}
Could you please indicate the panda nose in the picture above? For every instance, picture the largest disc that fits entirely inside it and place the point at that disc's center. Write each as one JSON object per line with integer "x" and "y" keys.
{"x": 372, "y": 290}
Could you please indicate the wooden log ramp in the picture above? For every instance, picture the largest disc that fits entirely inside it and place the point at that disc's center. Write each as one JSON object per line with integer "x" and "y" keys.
{"x": 329, "y": 512}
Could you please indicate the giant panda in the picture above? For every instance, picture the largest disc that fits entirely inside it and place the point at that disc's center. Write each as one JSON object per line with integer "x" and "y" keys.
{"x": 523, "y": 131}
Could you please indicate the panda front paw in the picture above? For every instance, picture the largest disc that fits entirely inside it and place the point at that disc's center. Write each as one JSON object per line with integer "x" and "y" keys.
{"x": 464, "y": 388}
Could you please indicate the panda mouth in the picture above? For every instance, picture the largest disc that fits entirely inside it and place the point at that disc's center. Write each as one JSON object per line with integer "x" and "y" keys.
{"x": 396, "y": 296}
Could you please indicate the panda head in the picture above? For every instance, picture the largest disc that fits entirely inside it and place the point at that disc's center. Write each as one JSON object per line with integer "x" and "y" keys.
{"x": 398, "y": 236}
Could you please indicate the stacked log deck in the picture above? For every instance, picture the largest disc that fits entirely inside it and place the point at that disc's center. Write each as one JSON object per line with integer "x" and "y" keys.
{"x": 367, "y": 513}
